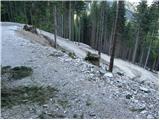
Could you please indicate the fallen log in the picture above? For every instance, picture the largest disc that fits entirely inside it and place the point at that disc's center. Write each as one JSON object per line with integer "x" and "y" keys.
{"x": 51, "y": 41}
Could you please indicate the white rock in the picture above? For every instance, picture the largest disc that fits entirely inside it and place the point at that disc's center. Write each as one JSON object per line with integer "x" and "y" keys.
{"x": 108, "y": 74}
{"x": 144, "y": 111}
{"x": 136, "y": 101}
{"x": 45, "y": 106}
{"x": 150, "y": 117}
{"x": 102, "y": 72}
{"x": 91, "y": 75}
{"x": 144, "y": 89}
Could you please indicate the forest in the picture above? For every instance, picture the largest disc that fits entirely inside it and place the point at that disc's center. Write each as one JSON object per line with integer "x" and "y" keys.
{"x": 111, "y": 28}
{"x": 80, "y": 59}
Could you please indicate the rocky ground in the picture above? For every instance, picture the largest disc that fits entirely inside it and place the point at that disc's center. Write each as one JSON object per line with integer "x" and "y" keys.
{"x": 70, "y": 88}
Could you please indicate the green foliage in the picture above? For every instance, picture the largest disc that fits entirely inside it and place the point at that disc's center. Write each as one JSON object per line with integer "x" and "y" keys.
{"x": 44, "y": 115}
{"x": 63, "y": 103}
{"x": 72, "y": 55}
{"x": 128, "y": 96}
{"x": 137, "y": 110}
{"x": 17, "y": 72}
{"x": 23, "y": 95}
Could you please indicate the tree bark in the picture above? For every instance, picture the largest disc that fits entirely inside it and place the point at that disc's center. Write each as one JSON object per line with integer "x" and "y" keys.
{"x": 129, "y": 56}
{"x": 141, "y": 58}
{"x": 148, "y": 53}
{"x": 115, "y": 32}
{"x": 55, "y": 27}
{"x": 79, "y": 37}
{"x": 62, "y": 22}
{"x": 110, "y": 41}
{"x": 101, "y": 37}
{"x": 135, "y": 47}
{"x": 10, "y": 9}
{"x": 154, "y": 63}
{"x": 70, "y": 22}
{"x": 25, "y": 12}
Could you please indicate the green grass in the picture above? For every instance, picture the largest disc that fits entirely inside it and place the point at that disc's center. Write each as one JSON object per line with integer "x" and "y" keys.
{"x": 75, "y": 116}
{"x": 136, "y": 110}
{"x": 22, "y": 95}
{"x": 18, "y": 72}
{"x": 72, "y": 55}
{"x": 88, "y": 103}
{"x": 5, "y": 69}
{"x": 50, "y": 116}
{"x": 21, "y": 72}
{"x": 128, "y": 96}
{"x": 63, "y": 103}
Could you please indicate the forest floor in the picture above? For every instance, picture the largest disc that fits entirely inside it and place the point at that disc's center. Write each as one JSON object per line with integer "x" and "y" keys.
{"x": 65, "y": 87}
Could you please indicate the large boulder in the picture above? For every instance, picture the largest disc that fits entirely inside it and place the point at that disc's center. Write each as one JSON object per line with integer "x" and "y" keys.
{"x": 108, "y": 75}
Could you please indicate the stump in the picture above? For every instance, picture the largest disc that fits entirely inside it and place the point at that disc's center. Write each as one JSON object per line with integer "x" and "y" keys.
{"x": 93, "y": 58}
{"x": 30, "y": 29}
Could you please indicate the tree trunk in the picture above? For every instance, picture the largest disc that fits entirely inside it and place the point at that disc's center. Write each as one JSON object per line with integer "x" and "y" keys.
{"x": 115, "y": 32}
{"x": 93, "y": 35}
{"x": 62, "y": 26}
{"x": 55, "y": 27}
{"x": 62, "y": 22}
{"x": 79, "y": 38}
{"x": 148, "y": 53}
{"x": 110, "y": 41}
{"x": 129, "y": 56}
{"x": 70, "y": 22}
{"x": 10, "y": 9}
{"x": 154, "y": 63}
{"x": 24, "y": 8}
{"x": 101, "y": 37}
{"x": 96, "y": 40}
{"x": 141, "y": 58}
{"x": 31, "y": 17}
{"x": 135, "y": 47}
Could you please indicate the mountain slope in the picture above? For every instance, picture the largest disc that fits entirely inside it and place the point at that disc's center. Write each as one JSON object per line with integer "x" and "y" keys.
{"x": 83, "y": 91}
{"x": 131, "y": 70}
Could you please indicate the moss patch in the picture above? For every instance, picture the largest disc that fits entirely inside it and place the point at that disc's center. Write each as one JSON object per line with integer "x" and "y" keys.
{"x": 63, "y": 103}
{"x": 72, "y": 55}
{"x": 22, "y": 95}
{"x": 128, "y": 96}
{"x": 21, "y": 72}
{"x": 5, "y": 69}
{"x": 136, "y": 110}
{"x": 88, "y": 103}
{"x": 18, "y": 72}
{"x": 49, "y": 116}
{"x": 75, "y": 116}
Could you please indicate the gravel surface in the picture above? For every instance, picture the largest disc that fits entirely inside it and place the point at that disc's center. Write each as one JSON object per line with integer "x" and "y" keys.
{"x": 84, "y": 90}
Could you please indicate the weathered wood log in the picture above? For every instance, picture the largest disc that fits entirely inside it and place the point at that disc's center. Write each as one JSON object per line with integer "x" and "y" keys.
{"x": 30, "y": 29}
{"x": 93, "y": 58}
{"x": 51, "y": 42}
